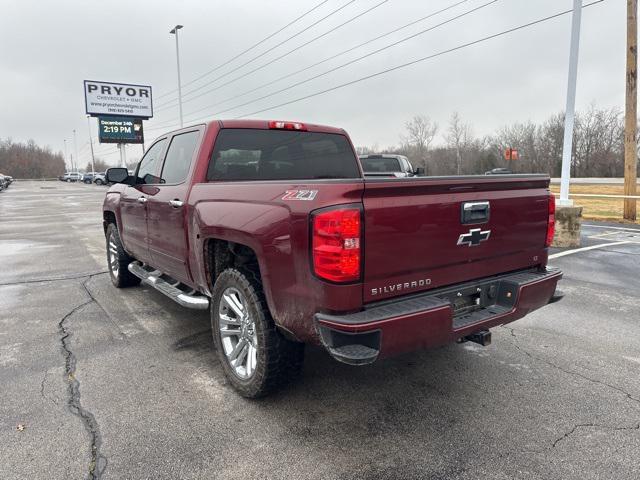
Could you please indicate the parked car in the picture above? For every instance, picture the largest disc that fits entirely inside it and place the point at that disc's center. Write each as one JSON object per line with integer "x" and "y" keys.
{"x": 388, "y": 165}
{"x": 4, "y": 183}
{"x": 273, "y": 228}
{"x": 6, "y": 180}
{"x": 498, "y": 171}
{"x": 71, "y": 177}
{"x": 99, "y": 178}
{"x": 88, "y": 177}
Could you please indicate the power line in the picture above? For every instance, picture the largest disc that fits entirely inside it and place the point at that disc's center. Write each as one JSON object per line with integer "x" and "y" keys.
{"x": 422, "y": 59}
{"x": 413, "y": 62}
{"x": 333, "y": 12}
{"x": 248, "y": 49}
{"x": 355, "y": 60}
{"x": 264, "y": 65}
{"x": 360, "y": 45}
{"x": 395, "y": 30}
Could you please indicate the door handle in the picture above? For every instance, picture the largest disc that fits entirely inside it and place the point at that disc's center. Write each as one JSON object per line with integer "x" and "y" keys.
{"x": 142, "y": 199}
{"x": 475, "y": 212}
{"x": 176, "y": 203}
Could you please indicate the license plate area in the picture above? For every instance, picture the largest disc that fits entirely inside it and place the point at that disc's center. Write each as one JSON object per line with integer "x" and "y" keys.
{"x": 467, "y": 300}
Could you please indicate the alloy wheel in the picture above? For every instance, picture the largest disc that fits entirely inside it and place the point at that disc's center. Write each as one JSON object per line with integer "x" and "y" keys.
{"x": 114, "y": 266}
{"x": 238, "y": 333}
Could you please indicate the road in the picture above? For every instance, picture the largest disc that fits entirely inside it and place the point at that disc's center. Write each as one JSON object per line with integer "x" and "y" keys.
{"x": 105, "y": 383}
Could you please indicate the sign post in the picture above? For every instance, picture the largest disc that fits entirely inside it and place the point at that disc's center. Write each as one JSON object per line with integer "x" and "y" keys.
{"x": 123, "y": 155}
{"x": 93, "y": 160}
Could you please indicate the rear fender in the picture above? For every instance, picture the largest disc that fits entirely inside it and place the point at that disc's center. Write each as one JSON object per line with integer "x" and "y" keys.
{"x": 263, "y": 228}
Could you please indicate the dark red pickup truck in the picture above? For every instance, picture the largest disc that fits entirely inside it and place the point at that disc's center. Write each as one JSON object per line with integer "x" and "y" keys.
{"x": 273, "y": 227}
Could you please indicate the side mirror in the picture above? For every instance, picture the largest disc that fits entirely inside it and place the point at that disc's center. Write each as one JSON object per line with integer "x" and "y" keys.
{"x": 117, "y": 175}
{"x": 419, "y": 172}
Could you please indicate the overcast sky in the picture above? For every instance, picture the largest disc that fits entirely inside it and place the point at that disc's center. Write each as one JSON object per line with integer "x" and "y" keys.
{"x": 48, "y": 48}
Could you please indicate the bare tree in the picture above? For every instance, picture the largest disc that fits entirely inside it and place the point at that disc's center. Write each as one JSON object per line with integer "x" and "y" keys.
{"x": 459, "y": 137}
{"x": 28, "y": 160}
{"x": 99, "y": 164}
{"x": 598, "y": 146}
{"x": 364, "y": 150}
{"x": 421, "y": 131}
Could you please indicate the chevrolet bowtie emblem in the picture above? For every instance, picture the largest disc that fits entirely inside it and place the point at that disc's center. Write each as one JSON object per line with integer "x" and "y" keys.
{"x": 474, "y": 237}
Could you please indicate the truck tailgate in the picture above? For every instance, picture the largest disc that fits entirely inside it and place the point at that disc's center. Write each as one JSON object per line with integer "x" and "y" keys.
{"x": 417, "y": 237}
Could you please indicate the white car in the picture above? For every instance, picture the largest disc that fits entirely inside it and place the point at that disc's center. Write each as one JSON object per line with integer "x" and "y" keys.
{"x": 72, "y": 177}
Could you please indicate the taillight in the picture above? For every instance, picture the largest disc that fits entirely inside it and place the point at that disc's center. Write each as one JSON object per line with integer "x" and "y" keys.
{"x": 551, "y": 224}
{"x": 336, "y": 244}
{"x": 288, "y": 126}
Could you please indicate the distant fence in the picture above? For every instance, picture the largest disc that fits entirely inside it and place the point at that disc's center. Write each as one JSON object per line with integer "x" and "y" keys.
{"x": 599, "y": 195}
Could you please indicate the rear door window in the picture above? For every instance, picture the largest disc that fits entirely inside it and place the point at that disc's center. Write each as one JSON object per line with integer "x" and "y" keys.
{"x": 179, "y": 156}
{"x": 251, "y": 154}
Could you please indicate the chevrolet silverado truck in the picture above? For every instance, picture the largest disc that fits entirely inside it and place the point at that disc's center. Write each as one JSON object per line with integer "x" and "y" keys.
{"x": 274, "y": 228}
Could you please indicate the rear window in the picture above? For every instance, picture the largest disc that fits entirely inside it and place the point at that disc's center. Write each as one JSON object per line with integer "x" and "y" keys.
{"x": 380, "y": 164}
{"x": 248, "y": 154}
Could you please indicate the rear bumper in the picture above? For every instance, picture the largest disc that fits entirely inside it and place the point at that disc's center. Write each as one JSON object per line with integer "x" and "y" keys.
{"x": 435, "y": 318}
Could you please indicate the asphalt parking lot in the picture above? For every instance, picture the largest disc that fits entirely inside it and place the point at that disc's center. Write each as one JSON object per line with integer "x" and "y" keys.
{"x": 124, "y": 383}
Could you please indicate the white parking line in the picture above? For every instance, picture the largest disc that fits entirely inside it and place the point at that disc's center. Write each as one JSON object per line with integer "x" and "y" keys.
{"x": 592, "y": 247}
{"x": 605, "y": 234}
{"x": 637, "y": 230}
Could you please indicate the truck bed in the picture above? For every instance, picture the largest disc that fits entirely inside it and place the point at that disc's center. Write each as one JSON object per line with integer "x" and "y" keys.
{"x": 413, "y": 228}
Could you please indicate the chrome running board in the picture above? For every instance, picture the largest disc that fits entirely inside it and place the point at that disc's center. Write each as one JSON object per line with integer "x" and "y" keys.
{"x": 179, "y": 293}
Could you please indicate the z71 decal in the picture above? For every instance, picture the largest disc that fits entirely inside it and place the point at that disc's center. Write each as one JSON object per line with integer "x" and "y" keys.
{"x": 300, "y": 195}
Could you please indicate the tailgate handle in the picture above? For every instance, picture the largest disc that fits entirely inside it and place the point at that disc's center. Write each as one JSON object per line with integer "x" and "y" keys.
{"x": 475, "y": 212}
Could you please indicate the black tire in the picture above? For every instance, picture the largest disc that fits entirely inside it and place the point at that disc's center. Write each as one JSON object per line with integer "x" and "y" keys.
{"x": 118, "y": 267}
{"x": 99, "y": 182}
{"x": 278, "y": 360}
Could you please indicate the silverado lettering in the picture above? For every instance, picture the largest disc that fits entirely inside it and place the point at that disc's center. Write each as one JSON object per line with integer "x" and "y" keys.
{"x": 401, "y": 286}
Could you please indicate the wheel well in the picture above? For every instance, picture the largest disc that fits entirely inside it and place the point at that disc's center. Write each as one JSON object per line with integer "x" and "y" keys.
{"x": 222, "y": 254}
{"x": 108, "y": 217}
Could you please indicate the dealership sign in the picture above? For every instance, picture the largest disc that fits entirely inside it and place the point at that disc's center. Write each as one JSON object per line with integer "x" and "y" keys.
{"x": 120, "y": 130}
{"x": 122, "y": 99}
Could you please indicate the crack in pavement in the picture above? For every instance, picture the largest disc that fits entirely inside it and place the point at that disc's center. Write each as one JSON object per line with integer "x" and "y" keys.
{"x": 98, "y": 462}
{"x": 570, "y": 372}
{"x": 123, "y": 335}
{"x": 42, "y": 384}
{"x": 55, "y": 279}
{"x": 592, "y": 425}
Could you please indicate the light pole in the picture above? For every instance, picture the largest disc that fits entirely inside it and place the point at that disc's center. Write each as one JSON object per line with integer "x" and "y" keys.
{"x": 75, "y": 146}
{"x": 569, "y": 113}
{"x": 174, "y": 31}
{"x": 93, "y": 160}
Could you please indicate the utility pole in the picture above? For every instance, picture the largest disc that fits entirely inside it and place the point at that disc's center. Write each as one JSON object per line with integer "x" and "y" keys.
{"x": 93, "y": 160}
{"x": 75, "y": 145}
{"x": 631, "y": 112}
{"x": 569, "y": 115}
{"x": 66, "y": 155}
{"x": 174, "y": 31}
